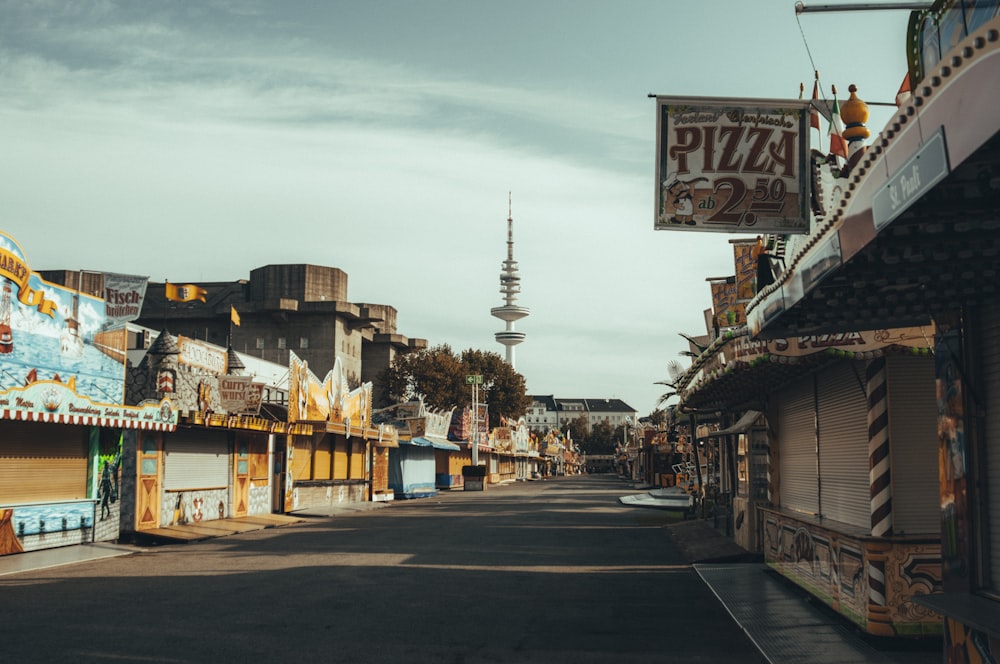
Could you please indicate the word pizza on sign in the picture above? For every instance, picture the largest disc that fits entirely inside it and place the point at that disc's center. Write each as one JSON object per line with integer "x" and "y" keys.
{"x": 733, "y": 166}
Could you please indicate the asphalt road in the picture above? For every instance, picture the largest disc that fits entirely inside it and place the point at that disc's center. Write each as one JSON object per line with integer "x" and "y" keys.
{"x": 550, "y": 571}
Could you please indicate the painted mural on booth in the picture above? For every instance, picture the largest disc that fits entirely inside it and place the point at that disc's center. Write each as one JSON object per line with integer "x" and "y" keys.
{"x": 835, "y": 568}
{"x": 52, "y": 333}
{"x": 329, "y": 400}
{"x": 60, "y": 361}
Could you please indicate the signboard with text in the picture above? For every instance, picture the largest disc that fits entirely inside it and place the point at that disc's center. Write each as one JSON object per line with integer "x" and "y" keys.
{"x": 202, "y": 355}
{"x": 240, "y": 395}
{"x": 123, "y": 296}
{"x": 729, "y": 311}
{"x": 927, "y": 167}
{"x": 732, "y": 165}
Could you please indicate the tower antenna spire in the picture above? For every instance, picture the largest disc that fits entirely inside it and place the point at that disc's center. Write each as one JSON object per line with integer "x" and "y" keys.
{"x": 510, "y": 287}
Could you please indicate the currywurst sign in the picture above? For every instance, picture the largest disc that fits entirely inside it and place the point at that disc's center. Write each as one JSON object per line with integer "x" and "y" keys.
{"x": 732, "y": 165}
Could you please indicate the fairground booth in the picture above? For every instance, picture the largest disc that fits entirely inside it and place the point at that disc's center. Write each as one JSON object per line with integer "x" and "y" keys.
{"x": 63, "y": 416}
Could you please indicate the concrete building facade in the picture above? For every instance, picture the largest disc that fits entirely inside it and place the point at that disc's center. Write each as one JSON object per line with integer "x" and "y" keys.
{"x": 548, "y": 412}
{"x": 281, "y": 308}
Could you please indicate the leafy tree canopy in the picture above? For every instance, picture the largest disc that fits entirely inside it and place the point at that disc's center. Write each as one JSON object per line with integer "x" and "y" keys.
{"x": 602, "y": 439}
{"x": 577, "y": 430}
{"x": 439, "y": 374}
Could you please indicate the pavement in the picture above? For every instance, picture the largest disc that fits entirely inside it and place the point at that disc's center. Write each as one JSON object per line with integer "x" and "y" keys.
{"x": 783, "y": 621}
{"x": 786, "y": 623}
{"x": 176, "y": 534}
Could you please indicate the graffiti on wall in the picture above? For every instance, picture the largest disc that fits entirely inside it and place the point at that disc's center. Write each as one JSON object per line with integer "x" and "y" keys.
{"x": 31, "y": 527}
{"x": 189, "y": 507}
{"x": 955, "y": 545}
{"x": 833, "y": 567}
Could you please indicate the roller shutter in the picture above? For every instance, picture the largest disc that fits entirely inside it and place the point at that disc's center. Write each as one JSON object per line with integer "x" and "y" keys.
{"x": 916, "y": 503}
{"x": 797, "y": 448}
{"x": 843, "y": 445}
{"x": 990, "y": 353}
{"x": 41, "y": 462}
{"x": 196, "y": 459}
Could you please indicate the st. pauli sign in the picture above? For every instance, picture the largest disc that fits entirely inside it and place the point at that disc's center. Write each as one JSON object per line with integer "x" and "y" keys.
{"x": 732, "y": 165}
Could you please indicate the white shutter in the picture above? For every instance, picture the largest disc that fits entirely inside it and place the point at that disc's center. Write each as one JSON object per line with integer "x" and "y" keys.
{"x": 796, "y": 428}
{"x": 916, "y": 501}
{"x": 990, "y": 353}
{"x": 845, "y": 488}
{"x": 196, "y": 459}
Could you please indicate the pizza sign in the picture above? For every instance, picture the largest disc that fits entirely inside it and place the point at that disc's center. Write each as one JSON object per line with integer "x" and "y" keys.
{"x": 734, "y": 166}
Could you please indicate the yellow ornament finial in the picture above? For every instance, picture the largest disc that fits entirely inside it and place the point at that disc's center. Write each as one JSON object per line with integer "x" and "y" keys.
{"x": 854, "y": 113}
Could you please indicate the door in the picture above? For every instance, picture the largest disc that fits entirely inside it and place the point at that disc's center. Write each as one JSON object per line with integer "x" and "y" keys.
{"x": 150, "y": 465}
{"x": 278, "y": 475}
{"x": 241, "y": 475}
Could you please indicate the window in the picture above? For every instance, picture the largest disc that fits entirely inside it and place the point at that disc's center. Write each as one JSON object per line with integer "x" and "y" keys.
{"x": 303, "y": 342}
{"x": 260, "y": 343}
{"x": 281, "y": 343}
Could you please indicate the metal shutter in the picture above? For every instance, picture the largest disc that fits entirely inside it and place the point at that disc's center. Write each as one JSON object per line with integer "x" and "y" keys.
{"x": 845, "y": 490}
{"x": 916, "y": 501}
{"x": 196, "y": 459}
{"x": 42, "y": 462}
{"x": 797, "y": 448}
{"x": 990, "y": 353}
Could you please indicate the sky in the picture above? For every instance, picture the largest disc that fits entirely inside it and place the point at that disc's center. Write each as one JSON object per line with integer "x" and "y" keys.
{"x": 197, "y": 141}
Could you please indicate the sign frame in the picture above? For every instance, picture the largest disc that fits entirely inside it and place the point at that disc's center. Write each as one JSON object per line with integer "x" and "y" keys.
{"x": 732, "y": 165}
{"x": 908, "y": 184}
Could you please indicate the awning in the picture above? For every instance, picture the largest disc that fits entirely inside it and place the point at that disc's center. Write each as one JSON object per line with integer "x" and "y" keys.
{"x": 427, "y": 442}
{"x": 741, "y": 425}
{"x": 87, "y": 420}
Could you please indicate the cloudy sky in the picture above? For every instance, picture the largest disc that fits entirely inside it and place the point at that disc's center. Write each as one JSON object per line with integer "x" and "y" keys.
{"x": 196, "y": 141}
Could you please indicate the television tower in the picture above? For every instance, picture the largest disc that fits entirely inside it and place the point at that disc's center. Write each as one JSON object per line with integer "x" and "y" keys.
{"x": 510, "y": 286}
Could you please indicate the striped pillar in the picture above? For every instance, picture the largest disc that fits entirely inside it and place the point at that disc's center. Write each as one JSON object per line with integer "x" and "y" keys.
{"x": 877, "y": 552}
{"x": 879, "y": 483}
{"x": 878, "y": 449}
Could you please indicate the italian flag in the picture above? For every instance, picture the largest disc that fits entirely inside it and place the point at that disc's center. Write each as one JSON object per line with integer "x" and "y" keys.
{"x": 838, "y": 144}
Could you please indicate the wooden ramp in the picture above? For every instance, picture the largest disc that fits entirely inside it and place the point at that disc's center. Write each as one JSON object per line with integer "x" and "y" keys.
{"x": 197, "y": 532}
{"x": 268, "y": 520}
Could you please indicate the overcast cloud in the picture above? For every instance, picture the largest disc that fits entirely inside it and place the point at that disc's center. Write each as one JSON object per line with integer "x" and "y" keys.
{"x": 198, "y": 141}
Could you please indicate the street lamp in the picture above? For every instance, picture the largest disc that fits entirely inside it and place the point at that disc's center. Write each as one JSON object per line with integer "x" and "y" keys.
{"x": 475, "y": 380}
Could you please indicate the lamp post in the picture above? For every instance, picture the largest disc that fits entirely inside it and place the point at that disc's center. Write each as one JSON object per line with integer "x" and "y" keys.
{"x": 475, "y": 380}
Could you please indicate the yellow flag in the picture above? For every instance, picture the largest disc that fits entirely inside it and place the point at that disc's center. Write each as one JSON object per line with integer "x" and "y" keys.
{"x": 184, "y": 293}
{"x": 234, "y": 316}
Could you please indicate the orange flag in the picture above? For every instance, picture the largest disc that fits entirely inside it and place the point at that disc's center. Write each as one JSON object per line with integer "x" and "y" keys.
{"x": 184, "y": 293}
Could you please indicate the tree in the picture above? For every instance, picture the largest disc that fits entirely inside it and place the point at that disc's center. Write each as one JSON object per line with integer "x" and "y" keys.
{"x": 438, "y": 374}
{"x": 577, "y": 430}
{"x": 676, "y": 372}
{"x": 503, "y": 388}
{"x": 602, "y": 439}
{"x": 434, "y": 373}
{"x": 658, "y": 416}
